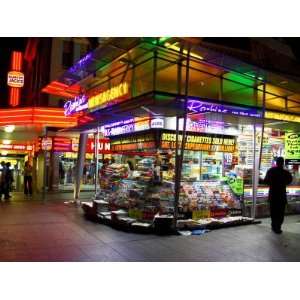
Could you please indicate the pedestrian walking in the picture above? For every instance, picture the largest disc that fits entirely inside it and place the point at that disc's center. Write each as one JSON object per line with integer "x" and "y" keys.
{"x": 27, "y": 179}
{"x": 277, "y": 178}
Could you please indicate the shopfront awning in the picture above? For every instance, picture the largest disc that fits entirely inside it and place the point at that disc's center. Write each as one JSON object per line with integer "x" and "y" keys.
{"x": 282, "y": 91}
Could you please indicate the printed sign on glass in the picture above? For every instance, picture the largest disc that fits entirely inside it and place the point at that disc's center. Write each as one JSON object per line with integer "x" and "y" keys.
{"x": 292, "y": 145}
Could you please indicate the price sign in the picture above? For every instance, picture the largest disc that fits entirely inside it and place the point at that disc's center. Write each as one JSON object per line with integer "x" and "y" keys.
{"x": 236, "y": 184}
{"x": 292, "y": 145}
{"x": 200, "y": 214}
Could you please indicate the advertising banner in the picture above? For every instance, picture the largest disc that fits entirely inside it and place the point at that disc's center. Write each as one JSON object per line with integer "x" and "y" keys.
{"x": 292, "y": 145}
{"x": 200, "y": 142}
{"x": 103, "y": 146}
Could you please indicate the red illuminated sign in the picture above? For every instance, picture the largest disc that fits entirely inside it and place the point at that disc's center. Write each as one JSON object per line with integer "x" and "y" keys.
{"x": 20, "y": 147}
{"x": 15, "y": 79}
{"x": 46, "y": 143}
{"x": 40, "y": 116}
{"x": 62, "y": 144}
{"x": 103, "y": 146}
{"x": 65, "y": 144}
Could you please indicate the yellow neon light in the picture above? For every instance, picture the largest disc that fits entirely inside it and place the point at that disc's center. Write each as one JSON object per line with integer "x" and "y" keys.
{"x": 176, "y": 48}
{"x": 109, "y": 95}
{"x": 282, "y": 116}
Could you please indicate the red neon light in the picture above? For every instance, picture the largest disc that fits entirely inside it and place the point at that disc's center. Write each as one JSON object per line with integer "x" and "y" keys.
{"x": 61, "y": 89}
{"x": 19, "y": 147}
{"x": 37, "y": 116}
{"x": 16, "y": 61}
{"x": 14, "y": 96}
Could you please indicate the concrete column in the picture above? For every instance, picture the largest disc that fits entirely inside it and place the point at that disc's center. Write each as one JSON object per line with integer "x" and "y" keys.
{"x": 80, "y": 164}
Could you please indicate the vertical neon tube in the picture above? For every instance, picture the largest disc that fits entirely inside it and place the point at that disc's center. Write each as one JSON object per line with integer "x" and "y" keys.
{"x": 16, "y": 65}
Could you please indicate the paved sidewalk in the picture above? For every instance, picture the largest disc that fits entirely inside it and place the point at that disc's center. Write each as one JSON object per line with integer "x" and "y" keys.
{"x": 33, "y": 230}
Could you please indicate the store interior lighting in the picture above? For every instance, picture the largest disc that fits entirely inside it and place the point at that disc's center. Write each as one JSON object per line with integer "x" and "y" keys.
{"x": 9, "y": 128}
{"x": 177, "y": 48}
{"x": 6, "y": 142}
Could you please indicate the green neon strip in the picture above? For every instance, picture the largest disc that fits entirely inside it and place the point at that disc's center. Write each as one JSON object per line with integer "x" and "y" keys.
{"x": 240, "y": 79}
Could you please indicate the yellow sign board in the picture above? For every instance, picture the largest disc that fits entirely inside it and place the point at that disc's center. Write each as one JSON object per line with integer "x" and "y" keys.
{"x": 215, "y": 143}
{"x": 108, "y": 96}
{"x": 201, "y": 214}
{"x": 282, "y": 116}
{"x": 292, "y": 145}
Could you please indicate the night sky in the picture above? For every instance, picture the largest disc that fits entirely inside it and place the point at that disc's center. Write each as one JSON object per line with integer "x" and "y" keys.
{"x": 7, "y": 45}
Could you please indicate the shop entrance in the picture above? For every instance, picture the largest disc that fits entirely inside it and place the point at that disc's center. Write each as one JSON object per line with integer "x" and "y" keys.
{"x": 17, "y": 162}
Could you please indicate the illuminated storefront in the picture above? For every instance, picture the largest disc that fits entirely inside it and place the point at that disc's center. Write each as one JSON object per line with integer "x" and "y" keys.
{"x": 234, "y": 125}
{"x": 20, "y": 131}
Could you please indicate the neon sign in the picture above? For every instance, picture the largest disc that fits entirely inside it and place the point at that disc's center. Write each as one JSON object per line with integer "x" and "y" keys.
{"x": 15, "y": 79}
{"x": 107, "y": 97}
{"x": 78, "y": 104}
{"x": 46, "y": 143}
{"x": 81, "y": 63}
{"x": 197, "y": 106}
{"x": 19, "y": 147}
{"x": 126, "y": 126}
{"x": 103, "y": 146}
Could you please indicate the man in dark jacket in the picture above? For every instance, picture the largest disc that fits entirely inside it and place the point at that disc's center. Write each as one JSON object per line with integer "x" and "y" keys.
{"x": 278, "y": 178}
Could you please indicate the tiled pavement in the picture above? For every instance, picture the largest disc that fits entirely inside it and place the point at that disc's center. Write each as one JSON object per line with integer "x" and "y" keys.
{"x": 33, "y": 230}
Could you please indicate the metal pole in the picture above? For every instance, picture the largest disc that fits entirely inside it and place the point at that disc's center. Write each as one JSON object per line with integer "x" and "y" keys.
{"x": 263, "y": 125}
{"x": 45, "y": 168}
{"x": 97, "y": 159}
{"x": 257, "y": 158}
{"x": 254, "y": 174}
{"x": 200, "y": 173}
{"x": 80, "y": 165}
{"x": 183, "y": 141}
{"x": 177, "y": 183}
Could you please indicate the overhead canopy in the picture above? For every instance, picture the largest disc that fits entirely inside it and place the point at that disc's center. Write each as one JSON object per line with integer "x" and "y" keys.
{"x": 117, "y": 57}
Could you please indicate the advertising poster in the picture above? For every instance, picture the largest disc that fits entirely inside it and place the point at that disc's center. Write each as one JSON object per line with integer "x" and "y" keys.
{"x": 292, "y": 145}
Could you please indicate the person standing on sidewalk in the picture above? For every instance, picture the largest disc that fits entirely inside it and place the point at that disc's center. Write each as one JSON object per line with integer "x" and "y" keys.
{"x": 27, "y": 179}
{"x": 277, "y": 178}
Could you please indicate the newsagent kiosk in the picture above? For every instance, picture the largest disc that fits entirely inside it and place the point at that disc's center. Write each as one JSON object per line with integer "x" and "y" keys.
{"x": 191, "y": 141}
